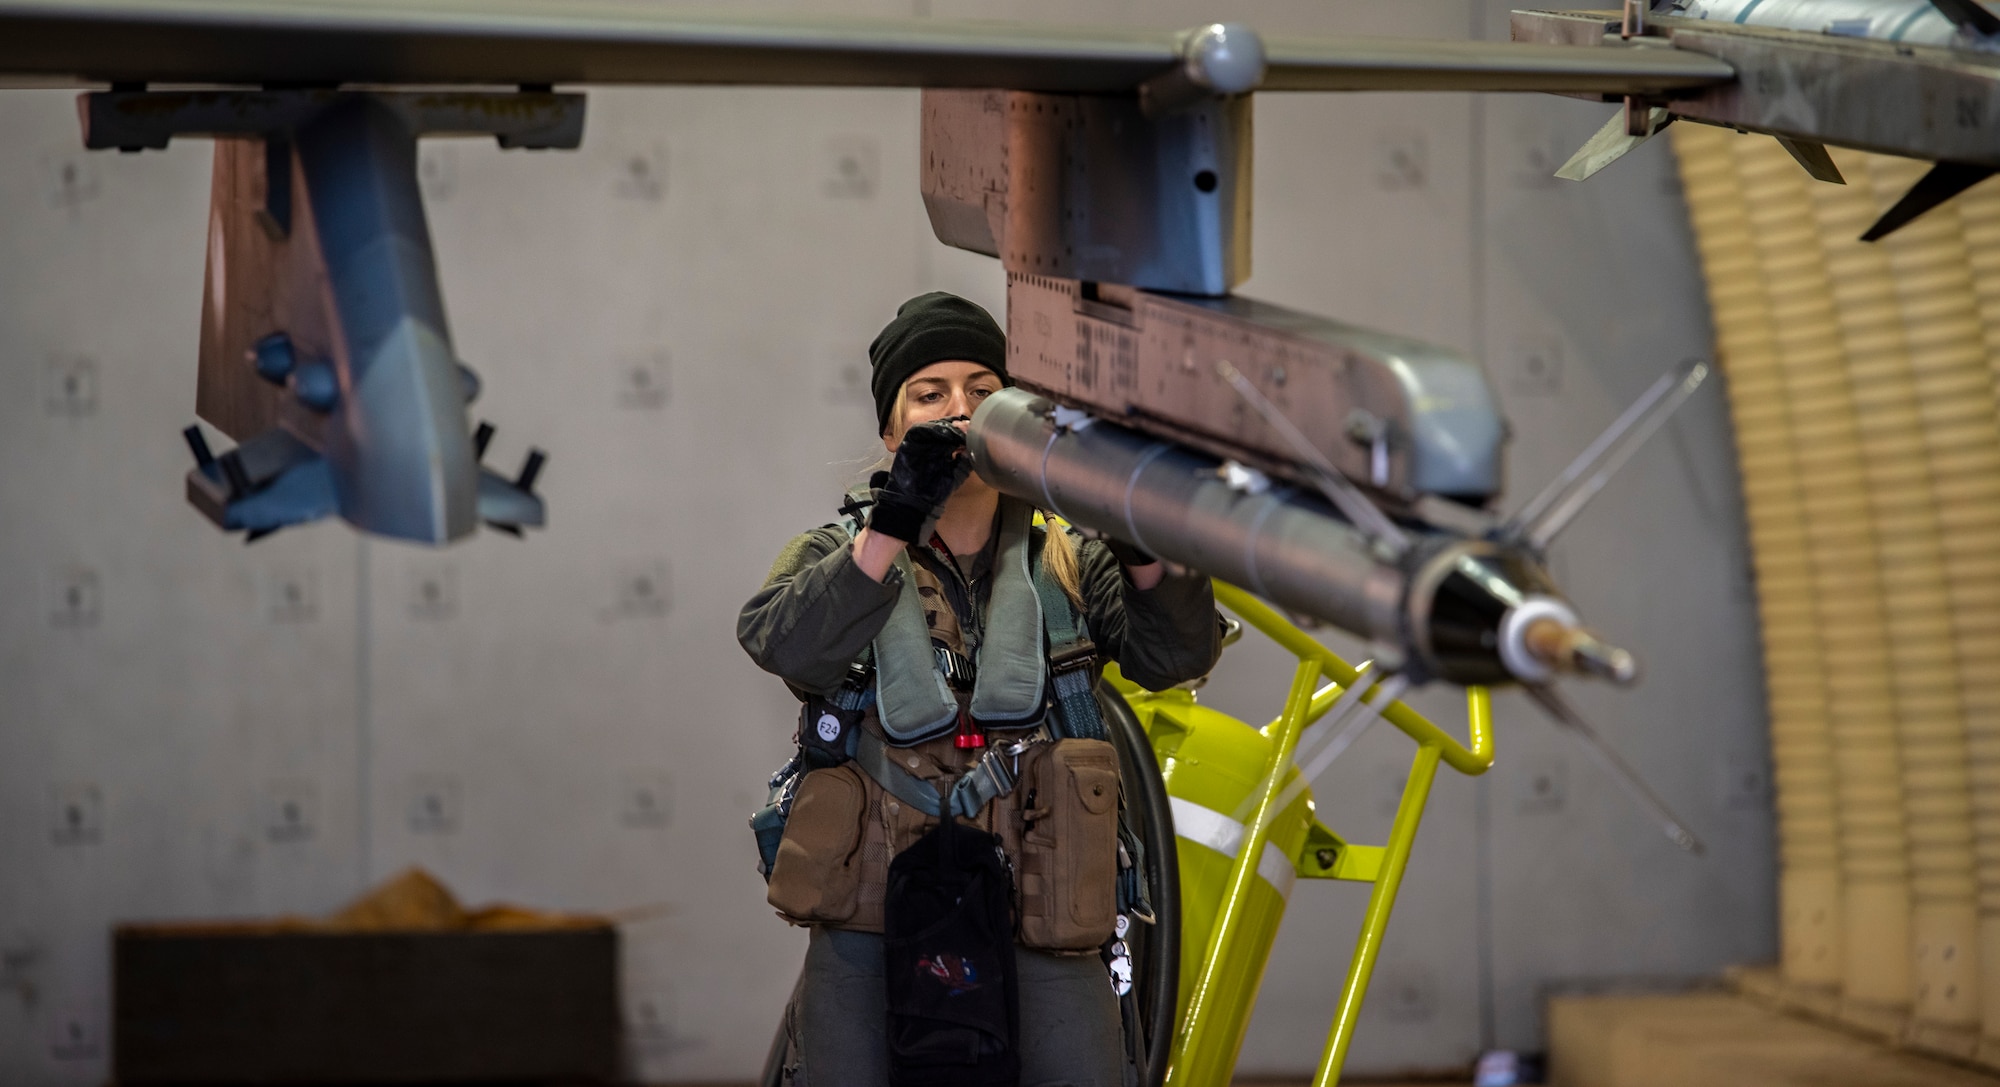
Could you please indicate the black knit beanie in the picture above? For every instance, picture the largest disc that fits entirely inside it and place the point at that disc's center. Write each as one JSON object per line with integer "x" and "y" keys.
{"x": 933, "y": 327}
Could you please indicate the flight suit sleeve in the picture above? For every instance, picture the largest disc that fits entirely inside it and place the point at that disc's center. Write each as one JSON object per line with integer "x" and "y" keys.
{"x": 816, "y": 613}
{"x": 1160, "y": 636}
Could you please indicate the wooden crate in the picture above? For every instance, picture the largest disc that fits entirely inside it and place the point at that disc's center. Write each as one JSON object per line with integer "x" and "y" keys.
{"x": 223, "y": 1006}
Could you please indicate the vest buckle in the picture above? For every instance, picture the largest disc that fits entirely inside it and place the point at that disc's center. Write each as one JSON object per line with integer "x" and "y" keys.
{"x": 1073, "y": 657}
{"x": 957, "y": 669}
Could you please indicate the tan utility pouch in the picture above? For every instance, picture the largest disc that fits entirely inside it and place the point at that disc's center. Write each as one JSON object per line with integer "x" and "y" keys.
{"x": 817, "y": 876}
{"x": 1066, "y": 820}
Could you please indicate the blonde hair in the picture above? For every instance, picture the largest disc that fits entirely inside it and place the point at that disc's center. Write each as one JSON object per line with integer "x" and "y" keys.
{"x": 896, "y": 411}
{"x": 1059, "y": 555}
{"x": 1058, "y": 550}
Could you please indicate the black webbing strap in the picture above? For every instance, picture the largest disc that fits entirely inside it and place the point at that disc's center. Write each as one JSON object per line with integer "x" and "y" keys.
{"x": 1072, "y": 655}
{"x": 991, "y": 776}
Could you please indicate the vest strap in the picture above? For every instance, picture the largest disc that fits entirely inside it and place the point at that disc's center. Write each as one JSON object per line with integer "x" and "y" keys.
{"x": 858, "y": 692}
{"x": 1072, "y": 655}
{"x": 912, "y": 697}
{"x": 992, "y": 776}
{"x": 907, "y": 705}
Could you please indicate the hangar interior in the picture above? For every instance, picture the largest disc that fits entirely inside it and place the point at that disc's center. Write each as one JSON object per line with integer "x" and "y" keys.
{"x": 192, "y": 729}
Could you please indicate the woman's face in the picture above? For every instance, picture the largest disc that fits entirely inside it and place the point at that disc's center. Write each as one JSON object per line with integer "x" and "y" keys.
{"x": 942, "y": 390}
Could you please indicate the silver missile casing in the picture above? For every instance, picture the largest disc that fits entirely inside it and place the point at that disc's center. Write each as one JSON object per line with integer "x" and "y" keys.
{"x": 1459, "y": 609}
{"x": 1280, "y": 542}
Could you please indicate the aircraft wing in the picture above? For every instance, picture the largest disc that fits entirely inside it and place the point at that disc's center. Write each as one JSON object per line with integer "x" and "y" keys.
{"x": 70, "y": 42}
{"x": 1408, "y": 64}
{"x": 551, "y": 41}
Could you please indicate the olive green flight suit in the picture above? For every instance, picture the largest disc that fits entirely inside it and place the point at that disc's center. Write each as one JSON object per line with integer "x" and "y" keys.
{"x": 816, "y": 614}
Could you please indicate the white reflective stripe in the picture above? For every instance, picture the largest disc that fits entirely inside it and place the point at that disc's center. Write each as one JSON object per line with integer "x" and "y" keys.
{"x": 1277, "y": 871}
{"x": 1206, "y": 826}
{"x": 1214, "y": 830}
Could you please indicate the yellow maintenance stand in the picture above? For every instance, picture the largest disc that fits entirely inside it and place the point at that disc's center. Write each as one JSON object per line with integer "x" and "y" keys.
{"x": 1246, "y": 830}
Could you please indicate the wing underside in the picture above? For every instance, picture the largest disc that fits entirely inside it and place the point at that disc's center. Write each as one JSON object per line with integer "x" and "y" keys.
{"x": 1398, "y": 64}
{"x": 502, "y": 42}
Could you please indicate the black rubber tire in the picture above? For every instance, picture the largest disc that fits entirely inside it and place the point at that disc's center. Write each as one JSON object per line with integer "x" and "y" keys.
{"x": 1156, "y": 949}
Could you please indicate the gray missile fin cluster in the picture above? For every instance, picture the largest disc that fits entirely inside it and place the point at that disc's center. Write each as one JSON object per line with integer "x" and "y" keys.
{"x": 1915, "y": 78}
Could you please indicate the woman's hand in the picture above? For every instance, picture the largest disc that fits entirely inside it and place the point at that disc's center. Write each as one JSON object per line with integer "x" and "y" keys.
{"x": 927, "y": 469}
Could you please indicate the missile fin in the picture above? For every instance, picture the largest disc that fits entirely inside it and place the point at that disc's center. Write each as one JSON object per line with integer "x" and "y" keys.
{"x": 1946, "y": 180}
{"x": 1359, "y": 510}
{"x": 1812, "y": 155}
{"x": 1550, "y": 511}
{"x": 1358, "y": 706}
{"x": 1610, "y": 144}
{"x": 1628, "y": 779}
{"x": 1969, "y": 14}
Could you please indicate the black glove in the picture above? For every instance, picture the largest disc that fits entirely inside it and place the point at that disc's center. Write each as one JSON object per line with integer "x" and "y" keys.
{"x": 926, "y": 471}
{"x": 1127, "y": 554}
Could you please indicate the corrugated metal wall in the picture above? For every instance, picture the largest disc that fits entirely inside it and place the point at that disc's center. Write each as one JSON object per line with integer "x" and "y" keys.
{"x": 1863, "y": 391}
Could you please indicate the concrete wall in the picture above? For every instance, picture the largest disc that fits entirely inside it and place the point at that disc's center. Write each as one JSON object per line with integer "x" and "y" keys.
{"x": 678, "y": 313}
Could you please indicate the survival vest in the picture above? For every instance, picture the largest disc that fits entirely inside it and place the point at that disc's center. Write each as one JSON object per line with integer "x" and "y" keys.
{"x": 903, "y": 677}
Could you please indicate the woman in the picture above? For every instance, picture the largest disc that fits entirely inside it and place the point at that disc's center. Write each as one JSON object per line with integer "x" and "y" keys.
{"x": 922, "y": 628}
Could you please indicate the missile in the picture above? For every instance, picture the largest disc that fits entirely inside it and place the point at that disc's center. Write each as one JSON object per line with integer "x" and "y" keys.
{"x": 1435, "y": 604}
{"x": 1463, "y": 610}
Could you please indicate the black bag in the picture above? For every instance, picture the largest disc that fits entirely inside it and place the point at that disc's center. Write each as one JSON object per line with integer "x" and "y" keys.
{"x": 948, "y": 941}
